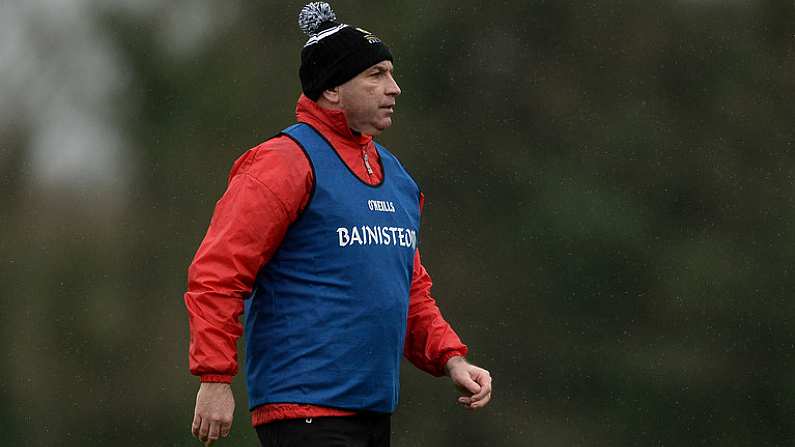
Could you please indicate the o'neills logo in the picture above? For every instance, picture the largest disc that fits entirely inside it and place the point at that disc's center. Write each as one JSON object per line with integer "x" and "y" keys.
{"x": 380, "y": 205}
{"x": 366, "y": 235}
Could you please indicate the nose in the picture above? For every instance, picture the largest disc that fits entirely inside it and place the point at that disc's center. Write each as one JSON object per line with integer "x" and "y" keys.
{"x": 392, "y": 89}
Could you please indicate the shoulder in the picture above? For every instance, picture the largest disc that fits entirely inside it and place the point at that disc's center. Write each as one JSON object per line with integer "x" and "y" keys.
{"x": 383, "y": 152}
{"x": 271, "y": 159}
{"x": 278, "y": 168}
{"x": 388, "y": 157}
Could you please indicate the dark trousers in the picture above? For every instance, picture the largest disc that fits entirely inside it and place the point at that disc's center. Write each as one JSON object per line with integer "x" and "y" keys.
{"x": 362, "y": 430}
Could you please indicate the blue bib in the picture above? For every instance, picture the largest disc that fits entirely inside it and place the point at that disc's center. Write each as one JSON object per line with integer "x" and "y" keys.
{"x": 326, "y": 321}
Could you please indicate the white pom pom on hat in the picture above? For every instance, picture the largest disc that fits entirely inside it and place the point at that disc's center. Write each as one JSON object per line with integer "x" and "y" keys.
{"x": 313, "y": 15}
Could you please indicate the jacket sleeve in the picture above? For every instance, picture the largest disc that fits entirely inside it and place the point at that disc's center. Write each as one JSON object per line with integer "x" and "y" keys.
{"x": 268, "y": 186}
{"x": 430, "y": 341}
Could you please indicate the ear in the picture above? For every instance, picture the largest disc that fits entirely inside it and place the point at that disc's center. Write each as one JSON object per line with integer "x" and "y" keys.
{"x": 332, "y": 95}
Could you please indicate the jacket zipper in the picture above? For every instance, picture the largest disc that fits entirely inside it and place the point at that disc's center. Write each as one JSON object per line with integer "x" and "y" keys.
{"x": 367, "y": 161}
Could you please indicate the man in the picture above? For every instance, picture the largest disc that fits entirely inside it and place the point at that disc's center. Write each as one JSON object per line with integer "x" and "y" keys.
{"x": 318, "y": 229}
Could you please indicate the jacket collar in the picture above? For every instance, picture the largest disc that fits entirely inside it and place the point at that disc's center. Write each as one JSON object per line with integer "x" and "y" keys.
{"x": 328, "y": 121}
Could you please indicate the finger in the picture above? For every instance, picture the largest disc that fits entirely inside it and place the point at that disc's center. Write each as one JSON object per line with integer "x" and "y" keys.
{"x": 482, "y": 401}
{"x": 196, "y": 425}
{"x": 468, "y": 384}
{"x": 226, "y": 427}
{"x": 204, "y": 430}
{"x": 215, "y": 431}
{"x": 485, "y": 387}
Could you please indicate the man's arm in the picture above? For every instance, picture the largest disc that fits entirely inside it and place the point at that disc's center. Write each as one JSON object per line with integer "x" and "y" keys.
{"x": 268, "y": 186}
{"x": 430, "y": 341}
{"x": 222, "y": 274}
{"x": 433, "y": 346}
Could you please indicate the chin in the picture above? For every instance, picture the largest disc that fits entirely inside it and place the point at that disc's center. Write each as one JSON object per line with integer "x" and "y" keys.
{"x": 384, "y": 125}
{"x": 379, "y": 126}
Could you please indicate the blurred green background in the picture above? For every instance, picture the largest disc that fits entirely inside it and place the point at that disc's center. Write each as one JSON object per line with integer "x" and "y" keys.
{"x": 609, "y": 213}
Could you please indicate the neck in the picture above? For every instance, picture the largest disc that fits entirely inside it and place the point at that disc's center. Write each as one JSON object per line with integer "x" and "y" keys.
{"x": 326, "y": 104}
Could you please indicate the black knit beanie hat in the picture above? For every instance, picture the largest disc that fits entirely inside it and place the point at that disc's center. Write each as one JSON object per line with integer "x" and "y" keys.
{"x": 335, "y": 52}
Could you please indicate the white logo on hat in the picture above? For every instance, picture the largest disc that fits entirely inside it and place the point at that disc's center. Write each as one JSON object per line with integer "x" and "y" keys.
{"x": 369, "y": 36}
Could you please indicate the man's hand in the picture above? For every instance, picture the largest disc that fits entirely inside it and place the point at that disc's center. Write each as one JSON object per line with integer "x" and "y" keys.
{"x": 215, "y": 406}
{"x": 473, "y": 382}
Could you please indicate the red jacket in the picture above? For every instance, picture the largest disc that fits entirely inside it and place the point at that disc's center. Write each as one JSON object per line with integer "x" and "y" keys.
{"x": 268, "y": 188}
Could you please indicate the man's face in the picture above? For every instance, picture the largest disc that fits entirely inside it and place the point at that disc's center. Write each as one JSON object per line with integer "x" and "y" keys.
{"x": 368, "y": 100}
